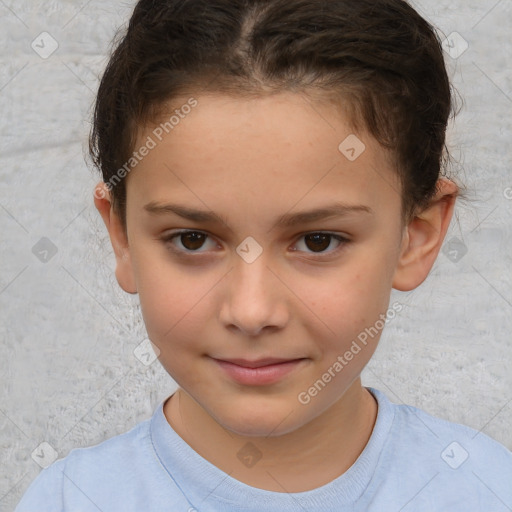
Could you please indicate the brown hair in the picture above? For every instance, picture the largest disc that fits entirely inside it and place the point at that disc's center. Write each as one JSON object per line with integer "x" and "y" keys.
{"x": 380, "y": 57}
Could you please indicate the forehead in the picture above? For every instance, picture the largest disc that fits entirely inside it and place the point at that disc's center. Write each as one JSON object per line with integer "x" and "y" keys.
{"x": 275, "y": 152}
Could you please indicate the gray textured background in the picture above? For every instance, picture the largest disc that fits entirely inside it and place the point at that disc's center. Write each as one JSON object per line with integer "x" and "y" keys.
{"x": 69, "y": 371}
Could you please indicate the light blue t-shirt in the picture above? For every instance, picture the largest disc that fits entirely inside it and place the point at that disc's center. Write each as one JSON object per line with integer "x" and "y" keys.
{"x": 412, "y": 462}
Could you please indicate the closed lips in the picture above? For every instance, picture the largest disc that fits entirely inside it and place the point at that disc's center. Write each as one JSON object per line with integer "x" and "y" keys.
{"x": 259, "y": 363}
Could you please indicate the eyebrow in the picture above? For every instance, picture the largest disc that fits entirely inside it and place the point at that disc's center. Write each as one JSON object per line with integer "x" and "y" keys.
{"x": 287, "y": 220}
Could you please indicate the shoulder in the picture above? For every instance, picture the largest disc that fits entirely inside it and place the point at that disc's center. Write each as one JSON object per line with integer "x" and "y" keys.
{"x": 86, "y": 468}
{"x": 46, "y": 488}
{"x": 413, "y": 424}
{"x": 117, "y": 453}
{"x": 453, "y": 461}
{"x": 417, "y": 424}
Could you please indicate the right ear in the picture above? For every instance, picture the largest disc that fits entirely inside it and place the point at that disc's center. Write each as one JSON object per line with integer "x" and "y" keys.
{"x": 124, "y": 268}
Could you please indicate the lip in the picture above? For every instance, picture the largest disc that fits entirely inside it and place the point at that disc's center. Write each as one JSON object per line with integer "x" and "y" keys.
{"x": 268, "y": 361}
{"x": 260, "y": 372}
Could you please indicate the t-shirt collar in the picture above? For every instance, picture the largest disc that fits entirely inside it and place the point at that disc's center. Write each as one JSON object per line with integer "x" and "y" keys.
{"x": 208, "y": 488}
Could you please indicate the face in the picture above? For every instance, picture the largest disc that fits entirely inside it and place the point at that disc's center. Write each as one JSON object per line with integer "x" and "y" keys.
{"x": 254, "y": 280}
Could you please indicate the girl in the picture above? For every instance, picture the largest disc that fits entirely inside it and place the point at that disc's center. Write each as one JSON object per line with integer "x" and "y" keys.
{"x": 272, "y": 169}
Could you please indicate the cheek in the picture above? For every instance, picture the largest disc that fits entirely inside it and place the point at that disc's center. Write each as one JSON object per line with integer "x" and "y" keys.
{"x": 166, "y": 295}
{"x": 175, "y": 306}
{"x": 349, "y": 301}
{"x": 171, "y": 307}
{"x": 174, "y": 321}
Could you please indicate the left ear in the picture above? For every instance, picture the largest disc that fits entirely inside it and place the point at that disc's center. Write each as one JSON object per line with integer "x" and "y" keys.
{"x": 424, "y": 237}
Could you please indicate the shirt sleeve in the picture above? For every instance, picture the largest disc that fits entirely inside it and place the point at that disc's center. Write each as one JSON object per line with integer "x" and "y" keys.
{"x": 44, "y": 494}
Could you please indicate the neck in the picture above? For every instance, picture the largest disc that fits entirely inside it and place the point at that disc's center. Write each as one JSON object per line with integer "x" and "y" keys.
{"x": 304, "y": 459}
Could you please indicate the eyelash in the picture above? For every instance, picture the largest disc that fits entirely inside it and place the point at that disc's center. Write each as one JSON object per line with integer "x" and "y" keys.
{"x": 168, "y": 238}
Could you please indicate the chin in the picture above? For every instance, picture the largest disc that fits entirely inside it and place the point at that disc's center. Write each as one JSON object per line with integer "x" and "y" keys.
{"x": 253, "y": 417}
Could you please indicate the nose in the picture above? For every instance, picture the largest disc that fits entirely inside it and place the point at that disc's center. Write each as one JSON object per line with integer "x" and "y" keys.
{"x": 254, "y": 298}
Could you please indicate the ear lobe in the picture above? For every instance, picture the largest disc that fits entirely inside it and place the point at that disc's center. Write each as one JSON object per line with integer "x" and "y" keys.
{"x": 124, "y": 269}
{"x": 424, "y": 237}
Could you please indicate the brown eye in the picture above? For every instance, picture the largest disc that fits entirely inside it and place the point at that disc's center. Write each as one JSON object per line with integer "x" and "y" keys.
{"x": 189, "y": 241}
{"x": 192, "y": 240}
{"x": 318, "y": 243}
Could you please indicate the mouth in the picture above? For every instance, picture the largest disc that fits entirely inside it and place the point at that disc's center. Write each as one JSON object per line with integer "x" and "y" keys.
{"x": 258, "y": 372}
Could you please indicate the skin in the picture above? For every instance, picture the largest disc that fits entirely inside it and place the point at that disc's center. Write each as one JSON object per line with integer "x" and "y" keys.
{"x": 251, "y": 161}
